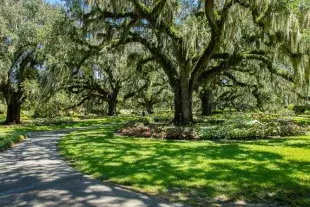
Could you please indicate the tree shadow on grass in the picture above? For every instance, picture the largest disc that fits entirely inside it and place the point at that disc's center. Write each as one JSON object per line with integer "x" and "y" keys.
{"x": 12, "y": 133}
{"x": 197, "y": 172}
{"x": 302, "y": 142}
{"x": 32, "y": 174}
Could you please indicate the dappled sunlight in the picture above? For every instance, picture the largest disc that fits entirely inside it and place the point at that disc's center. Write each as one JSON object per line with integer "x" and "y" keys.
{"x": 295, "y": 142}
{"x": 199, "y": 171}
{"x": 158, "y": 102}
{"x": 9, "y": 134}
{"x": 33, "y": 174}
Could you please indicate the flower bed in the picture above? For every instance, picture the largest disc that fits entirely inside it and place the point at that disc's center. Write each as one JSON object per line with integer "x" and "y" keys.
{"x": 237, "y": 128}
{"x": 160, "y": 132}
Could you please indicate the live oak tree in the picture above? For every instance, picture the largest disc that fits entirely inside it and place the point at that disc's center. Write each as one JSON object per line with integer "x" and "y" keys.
{"x": 105, "y": 78}
{"x": 270, "y": 90}
{"x": 155, "y": 90}
{"x": 195, "y": 41}
{"x": 197, "y": 45}
{"x": 24, "y": 31}
{"x": 253, "y": 89}
{"x": 83, "y": 63}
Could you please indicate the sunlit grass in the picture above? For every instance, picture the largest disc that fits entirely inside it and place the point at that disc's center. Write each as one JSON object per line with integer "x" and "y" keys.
{"x": 11, "y": 134}
{"x": 302, "y": 119}
{"x": 276, "y": 171}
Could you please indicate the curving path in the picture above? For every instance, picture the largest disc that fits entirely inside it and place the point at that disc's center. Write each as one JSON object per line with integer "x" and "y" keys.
{"x": 33, "y": 174}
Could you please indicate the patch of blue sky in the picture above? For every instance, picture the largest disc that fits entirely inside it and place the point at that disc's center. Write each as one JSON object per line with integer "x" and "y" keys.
{"x": 55, "y": 1}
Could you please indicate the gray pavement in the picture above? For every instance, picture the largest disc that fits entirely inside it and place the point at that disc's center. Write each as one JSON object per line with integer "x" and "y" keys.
{"x": 33, "y": 174}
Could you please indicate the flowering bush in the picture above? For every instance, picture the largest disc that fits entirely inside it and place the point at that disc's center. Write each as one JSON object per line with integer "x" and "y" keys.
{"x": 171, "y": 132}
{"x": 140, "y": 131}
{"x": 184, "y": 133}
{"x": 51, "y": 121}
{"x": 237, "y": 126}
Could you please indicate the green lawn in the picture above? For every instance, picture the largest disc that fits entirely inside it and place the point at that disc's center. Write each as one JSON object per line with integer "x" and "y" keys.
{"x": 11, "y": 134}
{"x": 200, "y": 172}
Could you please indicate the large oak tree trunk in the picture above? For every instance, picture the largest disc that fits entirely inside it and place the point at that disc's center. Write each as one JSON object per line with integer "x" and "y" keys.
{"x": 13, "y": 113}
{"x": 183, "y": 113}
{"x": 112, "y": 102}
{"x": 206, "y": 97}
{"x": 14, "y": 103}
{"x": 14, "y": 89}
{"x": 259, "y": 100}
{"x": 112, "y": 107}
{"x": 149, "y": 108}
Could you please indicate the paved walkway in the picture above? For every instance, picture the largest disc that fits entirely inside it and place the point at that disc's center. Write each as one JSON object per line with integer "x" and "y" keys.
{"x": 33, "y": 174}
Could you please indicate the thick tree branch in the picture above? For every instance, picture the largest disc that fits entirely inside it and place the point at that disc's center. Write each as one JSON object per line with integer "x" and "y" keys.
{"x": 158, "y": 8}
{"x": 237, "y": 82}
{"x": 87, "y": 97}
{"x": 133, "y": 93}
{"x": 162, "y": 59}
{"x": 143, "y": 62}
{"x": 160, "y": 24}
{"x": 216, "y": 23}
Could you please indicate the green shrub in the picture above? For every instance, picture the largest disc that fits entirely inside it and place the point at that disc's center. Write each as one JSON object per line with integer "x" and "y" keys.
{"x": 216, "y": 121}
{"x": 290, "y": 106}
{"x": 162, "y": 118}
{"x": 138, "y": 122}
{"x": 253, "y": 130}
{"x": 88, "y": 116}
{"x": 285, "y": 112}
{"x": 307, "y": 112}
{"x": 199, "y": 120}
{"x": 217, "y": 112}
{"x": 233, "y": 126}
{"x": 51, "y": 121}
{"x": 291, "y": 129}
{"x": 46, "y": 111}
{"x": 171, "y": 132}
{"x": 301, "y": 109}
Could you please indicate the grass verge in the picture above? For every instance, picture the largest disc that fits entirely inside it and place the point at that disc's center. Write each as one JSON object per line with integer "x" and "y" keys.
{"x": 12, "y": 134}
{"x": 200, "y": 173}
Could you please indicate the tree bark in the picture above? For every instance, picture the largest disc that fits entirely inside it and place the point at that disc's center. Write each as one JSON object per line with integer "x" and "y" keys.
{"x": 14, "y": 103}
{"x": 13, "y": 113}
{"x": 257, "y": 95}
{"x": 183, "y": 114}
{"x": 112, "y": 107}
{"x": 112, "y": 102}
{"x": 149, "y": 108}
{"x": 206, "y": 97}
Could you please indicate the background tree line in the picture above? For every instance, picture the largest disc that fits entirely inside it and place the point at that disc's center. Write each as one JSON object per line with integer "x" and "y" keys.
{"x": 187, "y": 55}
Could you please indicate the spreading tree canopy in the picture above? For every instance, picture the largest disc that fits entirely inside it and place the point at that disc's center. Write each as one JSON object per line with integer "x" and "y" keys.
{"x": 25, "y": 28}
{"x": 196, "y": 41}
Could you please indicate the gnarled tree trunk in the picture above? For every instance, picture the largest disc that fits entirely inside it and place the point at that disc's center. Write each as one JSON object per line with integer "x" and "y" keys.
{"x": 149, "y": 107}
{"x": 13, "y": 113}
{"x": 206, "y": 97}
{"x": 14, "y": 90}
{"x": 14, "y": 103}
{"x": 183, "y": 112}
{"x": 112, "y": 103}
{"x": 112, "y": 107}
